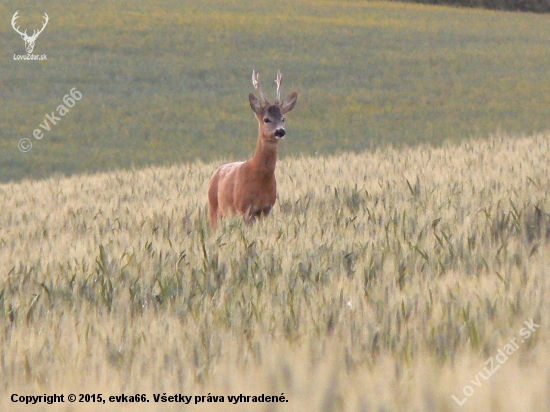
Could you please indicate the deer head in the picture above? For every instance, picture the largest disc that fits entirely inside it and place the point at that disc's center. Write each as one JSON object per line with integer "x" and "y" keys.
{"x": 29, "y": 40}
{"x": 271, "y": 116}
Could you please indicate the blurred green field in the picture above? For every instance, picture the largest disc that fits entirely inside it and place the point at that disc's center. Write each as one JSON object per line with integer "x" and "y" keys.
{"x": 167, "y": 83}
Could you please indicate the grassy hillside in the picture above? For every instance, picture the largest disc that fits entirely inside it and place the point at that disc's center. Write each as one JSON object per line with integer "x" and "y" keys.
{"x": 168, "y": 82}
{"x": 383, "y": 282}
{"x": 533, "y": 6}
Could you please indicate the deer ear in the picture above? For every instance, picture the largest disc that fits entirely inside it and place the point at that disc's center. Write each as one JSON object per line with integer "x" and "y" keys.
{"x": 255, "y": 103}
{"x": 288, "y": 104}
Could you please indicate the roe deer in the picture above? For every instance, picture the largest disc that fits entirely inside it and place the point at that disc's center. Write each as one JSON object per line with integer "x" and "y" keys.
{"x": 249, "y": 188}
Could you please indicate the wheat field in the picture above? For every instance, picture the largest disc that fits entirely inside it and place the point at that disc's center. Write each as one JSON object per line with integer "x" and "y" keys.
{"x": 383, "y": 282}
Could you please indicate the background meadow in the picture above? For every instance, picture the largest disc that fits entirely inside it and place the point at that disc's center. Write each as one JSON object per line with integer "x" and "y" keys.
{"x": 168, "y": 82}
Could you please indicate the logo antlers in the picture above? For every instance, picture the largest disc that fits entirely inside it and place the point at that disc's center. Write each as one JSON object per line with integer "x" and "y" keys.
{"x": 29, "y": 40}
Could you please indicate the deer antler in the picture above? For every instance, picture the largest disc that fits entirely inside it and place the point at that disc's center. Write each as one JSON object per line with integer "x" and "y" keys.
{"x": 13, "y": 21}
{"x": 35, "y": 32}
{"x": 278, "y": 81}
{"x": 256, "y": 84}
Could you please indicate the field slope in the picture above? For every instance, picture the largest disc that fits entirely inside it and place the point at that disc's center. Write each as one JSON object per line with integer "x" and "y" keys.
{"x": 384, "y": 281}
{"x": 168, "y": 82}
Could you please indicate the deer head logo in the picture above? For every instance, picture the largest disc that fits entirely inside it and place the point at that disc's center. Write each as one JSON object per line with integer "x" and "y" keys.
{"x": 29, "y": 40}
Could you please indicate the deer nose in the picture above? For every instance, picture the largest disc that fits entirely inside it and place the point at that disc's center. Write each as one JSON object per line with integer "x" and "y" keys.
{"x": 280, "y": 132}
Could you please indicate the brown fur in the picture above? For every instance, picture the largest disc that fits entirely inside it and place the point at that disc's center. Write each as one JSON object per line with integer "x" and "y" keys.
{"x": 249, "y": 188}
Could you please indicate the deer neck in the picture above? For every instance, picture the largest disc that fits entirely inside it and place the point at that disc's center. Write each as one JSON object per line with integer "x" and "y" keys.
{"x": 265, "y": 157}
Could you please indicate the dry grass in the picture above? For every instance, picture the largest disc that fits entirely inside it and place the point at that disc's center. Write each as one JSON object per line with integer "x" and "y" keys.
{"x": 382, "y": 282}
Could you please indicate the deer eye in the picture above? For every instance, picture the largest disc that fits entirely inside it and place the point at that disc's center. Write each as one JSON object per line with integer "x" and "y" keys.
{"x": 266, "y": 120}
{"x": 283, "y": 119}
